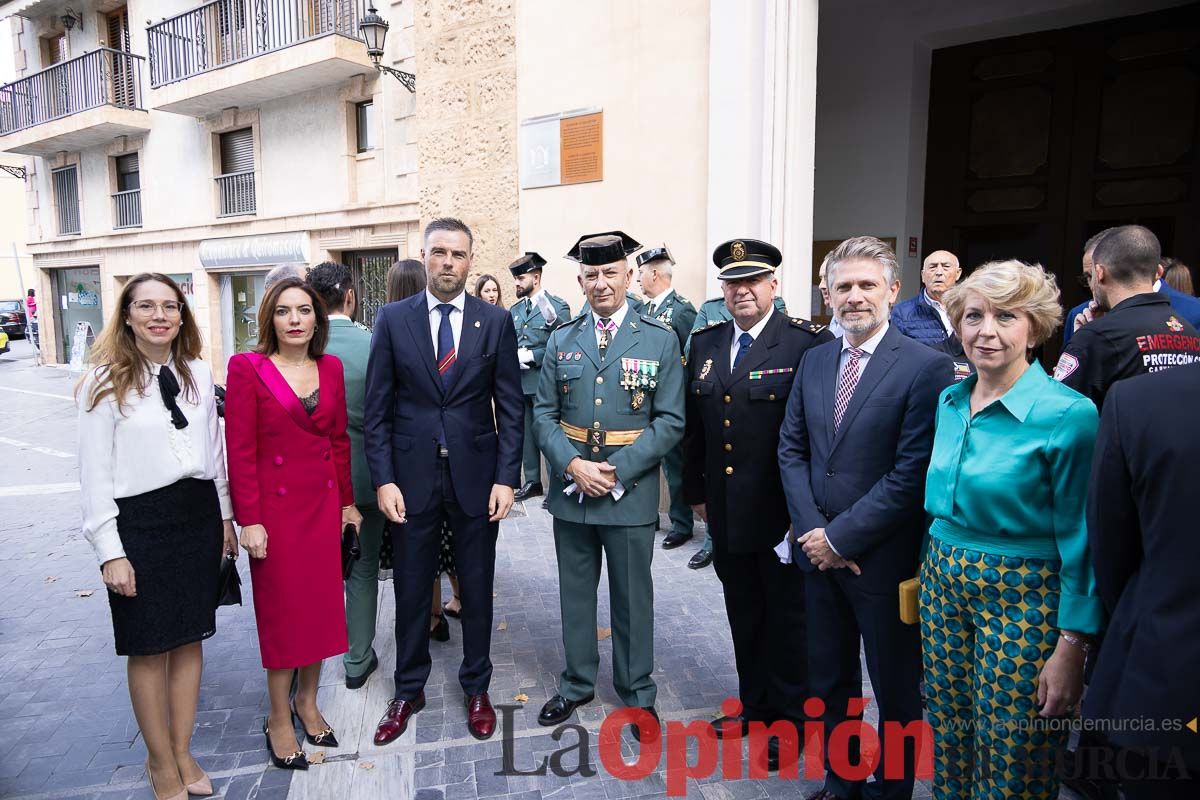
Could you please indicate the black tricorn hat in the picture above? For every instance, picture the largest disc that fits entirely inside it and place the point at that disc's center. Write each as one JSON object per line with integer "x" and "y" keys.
{"x": 597, "y": 249}
{"x": 530, "y": 262}
{"x": 743, "y": 258}
{"x": 654, "y": 254}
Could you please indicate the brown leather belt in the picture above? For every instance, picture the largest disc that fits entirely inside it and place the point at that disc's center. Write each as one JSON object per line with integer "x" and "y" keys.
{"x": 599, "y": 438}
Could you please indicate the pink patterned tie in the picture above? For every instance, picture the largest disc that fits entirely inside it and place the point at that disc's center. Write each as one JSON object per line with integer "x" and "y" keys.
{"x": 846, "y": 386}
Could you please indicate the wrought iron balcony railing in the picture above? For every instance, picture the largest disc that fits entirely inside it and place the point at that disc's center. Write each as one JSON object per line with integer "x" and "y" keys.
{"x": 127, "y": 209}
{"x": 101, "y": 77}
{"x": 224, "y": 32}
{"x": 236, "y": 190}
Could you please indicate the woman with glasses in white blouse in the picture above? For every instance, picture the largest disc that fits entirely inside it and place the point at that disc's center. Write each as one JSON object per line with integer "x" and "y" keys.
{"x": 156, "y": 510}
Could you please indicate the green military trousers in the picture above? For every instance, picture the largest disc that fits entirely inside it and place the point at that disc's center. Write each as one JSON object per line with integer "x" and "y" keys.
{"x": 628, "y": 551}
{"x": 362, "y": 592}
{"x": 531, "y": 458}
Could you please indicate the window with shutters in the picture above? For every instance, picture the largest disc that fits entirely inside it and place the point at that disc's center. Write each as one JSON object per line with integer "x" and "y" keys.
{"x": 127, "y": 201}
{"x": 235, "y": 184}
{"x": 66, "y": 199}
{"x": 120, "y": 68}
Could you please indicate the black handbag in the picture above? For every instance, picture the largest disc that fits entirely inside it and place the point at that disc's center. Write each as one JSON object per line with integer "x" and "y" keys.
{"x": 229, "y": 591}
{"x": 351, "y": 549}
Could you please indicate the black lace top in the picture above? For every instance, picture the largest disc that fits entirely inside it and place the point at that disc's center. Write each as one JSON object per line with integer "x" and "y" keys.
{"x": 310, "y": 402}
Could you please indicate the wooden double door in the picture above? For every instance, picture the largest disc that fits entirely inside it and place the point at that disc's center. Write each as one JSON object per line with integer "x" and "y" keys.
{"x": 1037, "y": 142}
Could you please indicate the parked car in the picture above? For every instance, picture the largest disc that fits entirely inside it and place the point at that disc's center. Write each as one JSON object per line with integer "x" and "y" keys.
{"x": 12, "y": 318}
{"x": 3, "y": 342}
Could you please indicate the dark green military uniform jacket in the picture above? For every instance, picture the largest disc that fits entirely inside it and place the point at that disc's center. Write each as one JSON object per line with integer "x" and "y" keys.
{"x": 533, "y": 329}
{"x": 638, "y": 385}
{"x": 677, "y": 313}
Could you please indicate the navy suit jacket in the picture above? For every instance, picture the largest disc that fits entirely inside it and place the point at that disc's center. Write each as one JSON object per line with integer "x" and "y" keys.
{"x": 482, "y": 411}
{"x": 1142, "y": 530}
{"x": 865, "y": 484}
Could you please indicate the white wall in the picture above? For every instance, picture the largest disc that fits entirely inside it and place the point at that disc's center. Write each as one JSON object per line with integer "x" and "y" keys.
{"x": 873, "y": 101}
{"x": 646, "y": 65}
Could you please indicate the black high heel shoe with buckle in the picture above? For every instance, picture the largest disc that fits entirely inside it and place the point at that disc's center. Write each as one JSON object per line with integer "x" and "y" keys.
{"x": 297, "y": 760}
{"x": 325, "y": 738}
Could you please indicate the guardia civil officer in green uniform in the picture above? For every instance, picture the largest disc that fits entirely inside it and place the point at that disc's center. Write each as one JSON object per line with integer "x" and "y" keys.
{"x": 740, "y": 373}
{"x": 669, "y": 307}
{"x": 535, "y": 314}
{"x": 609, "y": 408}
{"x": 351, "y": 343}
{"x": 713, "y": 311}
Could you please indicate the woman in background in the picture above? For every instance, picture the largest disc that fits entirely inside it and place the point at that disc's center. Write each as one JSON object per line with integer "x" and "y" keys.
{"x": 156, "y": 511}
{"x": 289, "y": 476}
{"x": 487, "y": 289}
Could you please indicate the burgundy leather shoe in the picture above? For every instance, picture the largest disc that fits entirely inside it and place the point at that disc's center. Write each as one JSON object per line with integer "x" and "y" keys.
{"x": 395, "y": 719}
{"x": 481, "y": 717}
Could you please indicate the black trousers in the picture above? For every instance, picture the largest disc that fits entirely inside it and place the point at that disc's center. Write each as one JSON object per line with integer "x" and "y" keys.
{"x": 416, "y": 546}
{"x": 840, "y": 611}
{"x": 764, "y": 601}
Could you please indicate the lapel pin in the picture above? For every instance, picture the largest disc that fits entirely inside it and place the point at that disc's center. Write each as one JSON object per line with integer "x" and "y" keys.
{"x": 476, "y": 323}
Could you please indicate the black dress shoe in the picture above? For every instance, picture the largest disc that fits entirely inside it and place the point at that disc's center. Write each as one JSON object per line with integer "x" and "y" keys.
{"x": 558, "y": 708}
{"x": 441, "y": 632}
{"x": 358, "y": 681}
{"x": 701, "y": 560}
{"x": 530, "y": 489}
{"x": 740, "y": 725}
{"x": 822, "y": 794}
{"x": 546, "y": 503}
{"x": 655, "y": 730}
{"x": 674, "y": 539}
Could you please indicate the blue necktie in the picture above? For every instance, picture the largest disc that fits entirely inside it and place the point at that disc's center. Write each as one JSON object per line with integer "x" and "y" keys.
{"x": 744, "y": 342}
{"x": 445, "y": 353}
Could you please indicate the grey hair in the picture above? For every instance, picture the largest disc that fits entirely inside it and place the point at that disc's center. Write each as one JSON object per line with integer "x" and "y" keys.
{"x": 284, "y": 271}
{"x": 862, "y": 247}
{"x": 663, "y": 265}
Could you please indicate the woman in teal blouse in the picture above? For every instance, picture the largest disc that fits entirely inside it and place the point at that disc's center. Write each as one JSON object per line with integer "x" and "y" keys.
{"x": 1008, "y": 597}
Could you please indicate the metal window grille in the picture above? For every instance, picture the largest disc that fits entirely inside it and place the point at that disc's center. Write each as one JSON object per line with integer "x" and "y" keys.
{"x": 236, "y": 183}
{"x": 66, "y": 199}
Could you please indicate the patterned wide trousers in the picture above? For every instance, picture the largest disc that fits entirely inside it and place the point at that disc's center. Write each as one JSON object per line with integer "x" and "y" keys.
{"x": 988, "y": 624}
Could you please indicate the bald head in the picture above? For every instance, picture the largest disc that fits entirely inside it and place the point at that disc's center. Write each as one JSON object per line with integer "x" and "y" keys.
{"x": 939, "y": 272}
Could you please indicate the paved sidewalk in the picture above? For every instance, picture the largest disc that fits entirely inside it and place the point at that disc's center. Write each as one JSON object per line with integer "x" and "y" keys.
{"x": 68, "y": 731}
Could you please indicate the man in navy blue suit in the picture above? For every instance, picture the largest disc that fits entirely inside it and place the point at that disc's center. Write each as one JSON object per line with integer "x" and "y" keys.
{"x": 444, "y": 422}
{"x": 853, "y": 452}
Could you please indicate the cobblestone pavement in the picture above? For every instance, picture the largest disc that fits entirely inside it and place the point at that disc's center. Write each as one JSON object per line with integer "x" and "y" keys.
{"x": 68, "y": 730}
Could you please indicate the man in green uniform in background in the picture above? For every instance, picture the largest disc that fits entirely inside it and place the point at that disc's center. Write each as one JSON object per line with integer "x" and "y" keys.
{"x": 609, "y": 408}
{"x": 535, "y": 314}
{"x": 669, "y": 307}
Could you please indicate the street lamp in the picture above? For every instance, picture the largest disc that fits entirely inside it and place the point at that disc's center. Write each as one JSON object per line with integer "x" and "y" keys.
{"x": 374, "y": 30}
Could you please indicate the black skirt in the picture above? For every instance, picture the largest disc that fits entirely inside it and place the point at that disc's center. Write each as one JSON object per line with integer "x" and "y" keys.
{"x": 173, "y": 538}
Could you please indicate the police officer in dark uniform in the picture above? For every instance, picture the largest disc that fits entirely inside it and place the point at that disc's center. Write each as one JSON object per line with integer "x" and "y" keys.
{"x": 739, "y": 375}
{"x": 1139, "y": 332}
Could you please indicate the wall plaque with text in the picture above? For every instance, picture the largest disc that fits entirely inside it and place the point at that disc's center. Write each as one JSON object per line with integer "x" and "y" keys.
{"x": 564, "y": 148}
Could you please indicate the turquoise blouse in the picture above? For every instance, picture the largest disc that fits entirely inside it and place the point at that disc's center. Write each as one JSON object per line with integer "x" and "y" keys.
{"x": 1013, "y": 481}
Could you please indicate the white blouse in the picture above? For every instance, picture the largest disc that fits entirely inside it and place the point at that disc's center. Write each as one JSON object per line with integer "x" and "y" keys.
{"x": 127, "y": 452}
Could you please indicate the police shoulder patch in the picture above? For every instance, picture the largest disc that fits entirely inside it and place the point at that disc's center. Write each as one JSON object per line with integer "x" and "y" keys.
{"x": 806, "y": 325}
{"x": 1066, "y": 366}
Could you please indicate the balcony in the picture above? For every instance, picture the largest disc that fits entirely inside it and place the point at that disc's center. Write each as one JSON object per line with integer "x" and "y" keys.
{"x": 127, "y": 209}
{"x": 243, "y": 53}
{"x": 87, "y": 101}
{"x": 236, "y": 193}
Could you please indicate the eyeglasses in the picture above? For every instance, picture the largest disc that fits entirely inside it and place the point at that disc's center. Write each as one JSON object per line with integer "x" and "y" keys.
{"x": 146, "y": 308}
